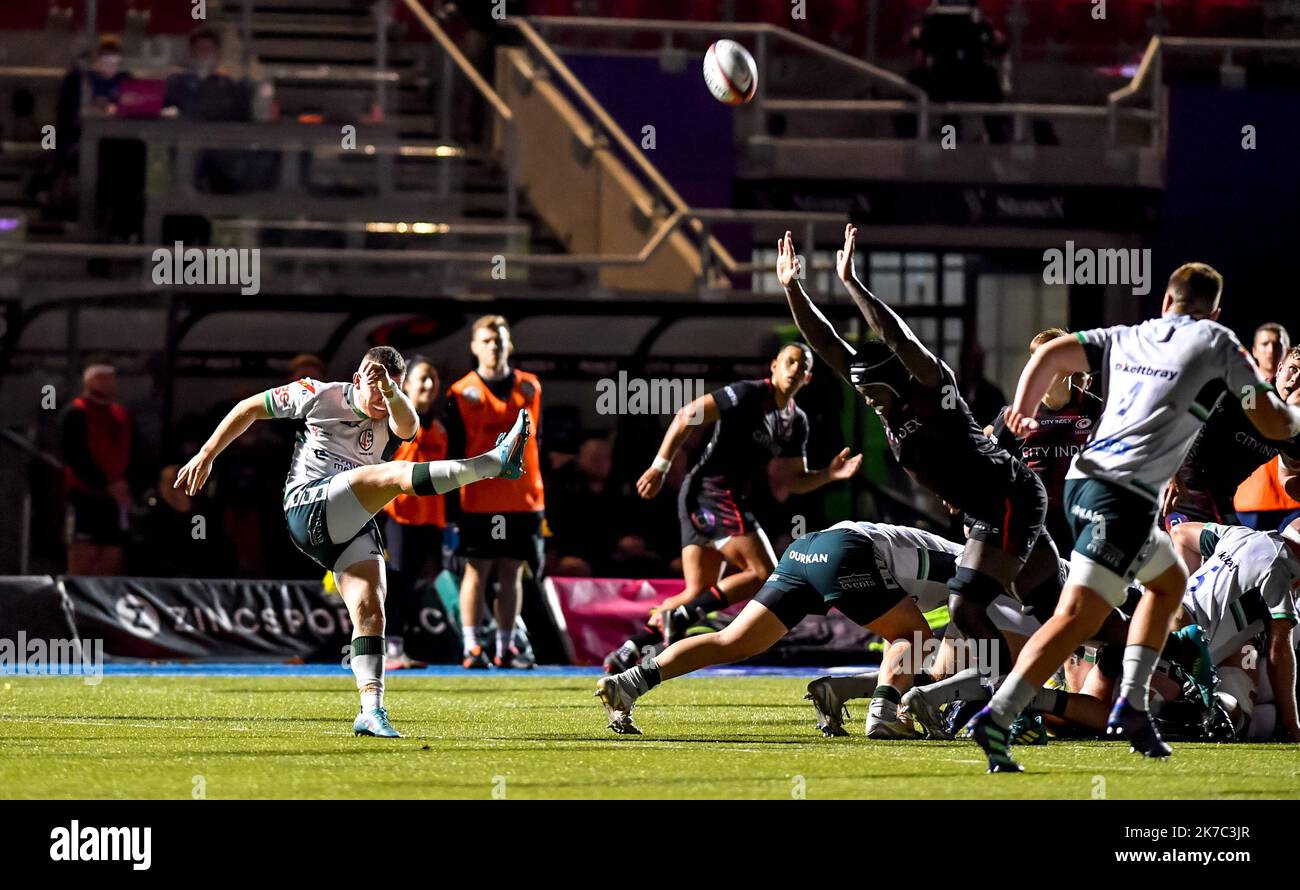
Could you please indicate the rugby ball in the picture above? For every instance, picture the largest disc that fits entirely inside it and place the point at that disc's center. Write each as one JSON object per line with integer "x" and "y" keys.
{"x": 730, "y": 72}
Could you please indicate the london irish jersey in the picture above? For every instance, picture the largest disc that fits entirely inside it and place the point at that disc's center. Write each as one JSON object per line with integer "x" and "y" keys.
{"x": 920, "y": 562}
{"x": 1158, "y": 381}
{"x": 337, "y": 438}
{"x": 1245, "y": 568}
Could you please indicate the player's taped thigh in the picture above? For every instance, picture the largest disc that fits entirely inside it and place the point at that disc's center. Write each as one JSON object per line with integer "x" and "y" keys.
{"x": 344, "y": 515}
{"x": 1160, "y": 556}
{"x": 361, "y": 549}
{"x": 1085, "y": 572}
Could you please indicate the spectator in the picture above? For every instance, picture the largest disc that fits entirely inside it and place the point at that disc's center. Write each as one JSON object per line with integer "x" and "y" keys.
{"x": 95, "y": 90}
{"x": 96, "y": 437}
{"x": 204, "y": 91}
{"x": 953, "y": 43}
{"x": 169, "y": 542}
{"x": 414, "y": 526}
{"x": 582, "y": 495}
{"x": 1271, "y": 343}
{"x": 983, "y": 396}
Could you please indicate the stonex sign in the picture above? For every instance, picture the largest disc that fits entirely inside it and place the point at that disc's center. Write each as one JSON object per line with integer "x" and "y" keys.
{"x": 78, "y": 843}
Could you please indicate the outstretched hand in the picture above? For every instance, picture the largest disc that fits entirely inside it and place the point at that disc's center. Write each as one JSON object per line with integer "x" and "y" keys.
{"x": 842, "y": 466}
{"x": 788, "y": 265}
{"x": 192, "y": 476}
{"x": 844, "y": 256}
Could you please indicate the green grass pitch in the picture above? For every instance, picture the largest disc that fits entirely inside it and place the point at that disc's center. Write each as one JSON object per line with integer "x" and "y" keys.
{"x": 521, "y": 737}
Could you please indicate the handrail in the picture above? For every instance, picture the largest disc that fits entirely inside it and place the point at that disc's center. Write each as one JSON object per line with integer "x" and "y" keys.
{"x": 610, "y": 127}
{"x": 489, "y": 95}
{"x": 26, "y": 445}
{"x": 449, "y": 47}
{"x": 670, "y": 224}
{"x": 1147, "y": 76}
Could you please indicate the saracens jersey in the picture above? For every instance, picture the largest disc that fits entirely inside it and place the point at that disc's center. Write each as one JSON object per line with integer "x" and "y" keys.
{"x": 751, "y": 430}
{"x": 1156, "y": 381}
{"x": 1061, "y": 434}
{"x": 935, "y": 438}
{"x": 337, "y": 438}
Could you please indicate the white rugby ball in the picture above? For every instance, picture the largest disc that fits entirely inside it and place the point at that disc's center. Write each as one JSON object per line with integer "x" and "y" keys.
{"x": 730, "y": 72}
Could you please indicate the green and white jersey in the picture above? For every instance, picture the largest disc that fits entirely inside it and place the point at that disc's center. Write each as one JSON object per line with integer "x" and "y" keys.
{"x": 1245, "y": 568}
{"x": 1159, "y": 381}
{"x": 337, "y": 437}
{"x": 920, "y": 562}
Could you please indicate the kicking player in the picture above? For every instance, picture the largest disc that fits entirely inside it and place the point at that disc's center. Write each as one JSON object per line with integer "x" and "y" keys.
{"x": 1152, "y": 376}
{"x": 1228, "y": 450}
{"x": 1065, "y": 418}
{"x": 755, "y": 423}
{"x": 341, "y": 475}
{"x": 934, "y": 437}
{"x": 839, "y": 567}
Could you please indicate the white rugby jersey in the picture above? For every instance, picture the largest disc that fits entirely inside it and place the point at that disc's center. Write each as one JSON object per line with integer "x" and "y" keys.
{"x": 1244, "y": 561}
{"x": 337, "y": 438}
{"x": 910, "y": 555}
{"x": 1157, "y": 393}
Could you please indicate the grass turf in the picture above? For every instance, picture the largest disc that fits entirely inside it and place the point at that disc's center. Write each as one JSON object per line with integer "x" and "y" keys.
{"x": 530, "y": 737}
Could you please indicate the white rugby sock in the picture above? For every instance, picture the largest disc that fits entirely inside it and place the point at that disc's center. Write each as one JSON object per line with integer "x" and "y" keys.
{"x": 470, "y": 636}
{"x": 505, "y": 639}
{"x": 1139, "y": 665}
{"x": 367, "y": 664}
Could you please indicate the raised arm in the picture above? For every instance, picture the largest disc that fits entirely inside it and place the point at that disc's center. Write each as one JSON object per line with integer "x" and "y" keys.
{"x": 1059, "y": 358}
{"x": 700, "y": 412}
{"x": 192, "y": 476}
{"x": 885, "y": 321}
{"x": 815, "y": 328}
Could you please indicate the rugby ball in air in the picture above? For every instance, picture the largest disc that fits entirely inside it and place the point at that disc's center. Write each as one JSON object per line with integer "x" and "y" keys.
{"x": 730, "y": 72}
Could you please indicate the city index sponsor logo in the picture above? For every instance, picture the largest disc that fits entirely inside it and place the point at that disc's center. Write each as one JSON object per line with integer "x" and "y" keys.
{"x": 1145, "y": 371}
{"x": 1255, "y": 445}
{"x": 809, "y": 558}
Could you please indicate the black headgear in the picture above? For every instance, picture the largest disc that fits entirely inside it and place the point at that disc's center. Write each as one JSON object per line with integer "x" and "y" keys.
{"x": 877, "y": 364}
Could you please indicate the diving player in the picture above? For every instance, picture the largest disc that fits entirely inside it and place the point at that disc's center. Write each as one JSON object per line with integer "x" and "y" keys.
{"x": 1152, "y": 376}
{"x": 934, "y": 437}
{"x": 755, "y": 423}
{"x": 839, "y": 567}
{"x": 921, "y": 564}
{"x": 341, "y": 476}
